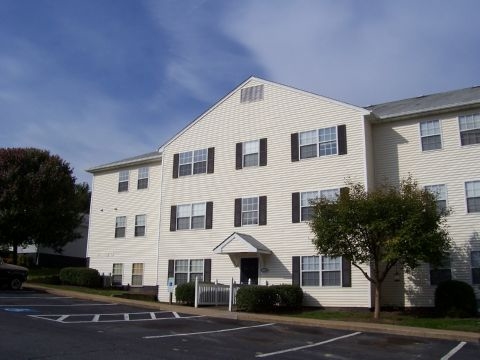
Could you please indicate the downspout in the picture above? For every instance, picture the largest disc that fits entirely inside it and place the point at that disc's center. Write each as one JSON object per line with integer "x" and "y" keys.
{"x": 159, "y": 226}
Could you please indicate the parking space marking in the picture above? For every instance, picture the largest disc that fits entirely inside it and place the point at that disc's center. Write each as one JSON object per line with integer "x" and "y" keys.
{"x": 453, "y": 351}
{"x": 308, "y": 346}
{"x": 206, "y": 332}
{"x": 35, "y": 297}
{"x": 59, "y": 305}
{"x": 107, "y": 318}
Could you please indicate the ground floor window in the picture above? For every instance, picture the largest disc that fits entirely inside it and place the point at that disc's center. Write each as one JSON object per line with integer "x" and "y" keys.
{"x": 441, "y": 272}
{"x": 117, "y": 274}
{"x": 475, "y": 264}
{"x": 137, "y": 274}
{"x": 188, "y": 270}
{"x": 321, "y": 271}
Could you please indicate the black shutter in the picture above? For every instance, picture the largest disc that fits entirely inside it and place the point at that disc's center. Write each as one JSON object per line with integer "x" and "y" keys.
{"x": 238, "y": 156}
{"x": 344, "y": 191}
{"x": 176, "y": 160}
{"x": 346, "y": 273}
{"x": 296, "y": 270}
{"x": 262, "y": 210}
{"x": 263, "y": 152}
{"x": 211, "y": 160}
{"x": 209, "y": 215}
{"x": 171, "y": 268}
{"x": 207, "y": 270}
{"x": 173, "y": 218}
{"x": 342, "y": 139}
{"x": 296, "y": 207}
{"x": 238, "y": 213}
{"x": 294, "y": 146}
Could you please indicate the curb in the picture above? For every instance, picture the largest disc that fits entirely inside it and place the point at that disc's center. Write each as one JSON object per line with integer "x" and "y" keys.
{"x": 218, "y": 313}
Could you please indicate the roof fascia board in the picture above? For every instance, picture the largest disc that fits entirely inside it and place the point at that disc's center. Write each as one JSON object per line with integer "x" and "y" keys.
{"x": 122, "y": 164}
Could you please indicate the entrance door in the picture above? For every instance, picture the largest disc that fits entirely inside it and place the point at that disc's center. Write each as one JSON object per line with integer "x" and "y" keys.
{"x": 249, "y": 270}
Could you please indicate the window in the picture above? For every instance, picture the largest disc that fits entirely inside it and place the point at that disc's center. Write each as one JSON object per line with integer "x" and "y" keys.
{"x": 120, "y": 225}
{"x": 441, "y": 272}
{"x": 469, "y": 129}
{"x": 191, "y": 216}
{"x": 193, "y": 162}
{"x": 252, "y": 93}
{"x": 440, "y": 191}
{"x": 323, "y": 139}
{"x": 475, "y": 264}
{"x": 250, "y": 153}
{"x": 306, "y": 210}
{"x": 472, "y": 189}
{"x": 142, "y": 182}
{"x": 308, "y": 144}
{"x": 188, "y": 270}
{"x": 137, "y": 274}
{"x": 250, "y": 211}
{"x": 123, "y": 180}
{"x": 328, "y": 274}
{"x": 430, "y": 135}
{"x": 140, "y": 225}
{"x": 117, "y": 274}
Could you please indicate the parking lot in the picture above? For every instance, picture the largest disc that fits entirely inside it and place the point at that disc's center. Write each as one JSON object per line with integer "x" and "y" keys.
{"x": 36, "y": 325}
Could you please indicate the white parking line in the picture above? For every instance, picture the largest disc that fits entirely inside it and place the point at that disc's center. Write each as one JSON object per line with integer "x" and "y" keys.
{"x": 308, "y": 346}
{"x": 52, "y": 305}
{"x": 35, "y": 297}
{"x": 206, "y": 332}
{"x": 453, "y": 351}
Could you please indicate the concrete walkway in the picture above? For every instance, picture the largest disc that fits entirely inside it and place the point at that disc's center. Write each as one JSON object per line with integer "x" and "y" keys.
{"x": 222, "y": 312}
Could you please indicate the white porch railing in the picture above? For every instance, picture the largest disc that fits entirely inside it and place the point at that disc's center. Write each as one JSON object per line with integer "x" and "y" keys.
{"x": 215, "y": 294}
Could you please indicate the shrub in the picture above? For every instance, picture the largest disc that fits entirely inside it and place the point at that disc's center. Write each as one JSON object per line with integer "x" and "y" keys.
{"x": 289, "y": 297}
{"x": 185, "y": 293}
{"x": 80, "y": 277}
{"x": 255, "y": 298}
{"x": 455, "y": 298}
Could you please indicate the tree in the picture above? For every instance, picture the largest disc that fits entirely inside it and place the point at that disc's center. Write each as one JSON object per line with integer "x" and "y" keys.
{"x": 38, "y": 199}
{"x": 382, "y": 228}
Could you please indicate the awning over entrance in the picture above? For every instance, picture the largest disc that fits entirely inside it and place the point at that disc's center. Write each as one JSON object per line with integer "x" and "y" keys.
{"x": 237, "y": 244}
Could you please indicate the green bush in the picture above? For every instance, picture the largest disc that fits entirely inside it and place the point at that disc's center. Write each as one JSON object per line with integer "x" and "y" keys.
{"x": 80, "y": 277}
{"x": 289, "y": 297}
{"x": 185, "y": 293}
{"x": 455, "y": 298}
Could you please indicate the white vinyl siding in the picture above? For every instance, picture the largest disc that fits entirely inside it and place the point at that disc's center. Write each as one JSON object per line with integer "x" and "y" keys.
{"x": 430, "y": 135}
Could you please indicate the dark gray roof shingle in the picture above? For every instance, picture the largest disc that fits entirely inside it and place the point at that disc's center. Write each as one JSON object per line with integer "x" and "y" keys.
{"x": 135, "y": 159}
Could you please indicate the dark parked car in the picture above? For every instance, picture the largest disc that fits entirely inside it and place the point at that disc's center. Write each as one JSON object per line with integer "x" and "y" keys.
{"x": 12, "y": 275}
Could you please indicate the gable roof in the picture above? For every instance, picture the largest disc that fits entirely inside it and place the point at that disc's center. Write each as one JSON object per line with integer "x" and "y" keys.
{"x": 427, "y": 104}
{"x": 253, "y": 78}
{"x": 139, "y": 159}
{"x": 241, "y": 243}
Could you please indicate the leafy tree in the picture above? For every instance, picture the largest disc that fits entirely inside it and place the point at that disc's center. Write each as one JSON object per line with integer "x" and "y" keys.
{"x": 381, "y": 228}
{"x": 38, "y": 199}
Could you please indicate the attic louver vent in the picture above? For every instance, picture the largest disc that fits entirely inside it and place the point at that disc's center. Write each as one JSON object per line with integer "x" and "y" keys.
{"x": 252, "y": 93}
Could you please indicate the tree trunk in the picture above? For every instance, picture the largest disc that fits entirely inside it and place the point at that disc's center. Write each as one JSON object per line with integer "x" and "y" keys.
{"x": 376, "y": 314}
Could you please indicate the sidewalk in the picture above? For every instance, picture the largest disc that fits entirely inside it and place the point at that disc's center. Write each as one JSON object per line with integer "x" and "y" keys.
{"x": 222, "y": 312}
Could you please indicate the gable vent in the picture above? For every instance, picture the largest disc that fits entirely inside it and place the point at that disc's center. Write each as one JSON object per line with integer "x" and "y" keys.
{"x": 252, "y": 93}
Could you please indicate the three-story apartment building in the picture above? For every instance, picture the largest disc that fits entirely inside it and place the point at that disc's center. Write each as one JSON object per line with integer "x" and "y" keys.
{"x": 228, "y": 196}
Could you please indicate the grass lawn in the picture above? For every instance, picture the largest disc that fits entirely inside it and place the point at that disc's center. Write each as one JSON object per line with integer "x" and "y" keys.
{"x": 396, "y": 318}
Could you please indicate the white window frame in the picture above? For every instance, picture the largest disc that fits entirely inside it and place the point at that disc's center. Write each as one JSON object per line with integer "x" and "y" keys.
{"x": 430, "y": 129}
{"x": 472, "y": 193}
{"x": 193, "y": 212}
{"x": 320, "y": 268}
{"x": 123, "y": 178}
{"x": 116, "y": 273}
{"x": 318, "y": 194}
{"x": 245, "y": 221}
{"x": 251, "y": 148}
{"x": 468, "y": 123}
{"x": 140, "y": 222}
{"x": 119, "y": 221}
{"x": 187, "y": 269}
{"x": 192, "y": 158}
{"x": 142, "y": 176}
{"x": 136, "y": 274}
{"x": 441, "y": 195}
{"x": 318, "y": 137}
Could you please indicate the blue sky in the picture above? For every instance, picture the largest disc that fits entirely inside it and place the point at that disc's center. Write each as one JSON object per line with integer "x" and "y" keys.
{"x": 100, "y": 80}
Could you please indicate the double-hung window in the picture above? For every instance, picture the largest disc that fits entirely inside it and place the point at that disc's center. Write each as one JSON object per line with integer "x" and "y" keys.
{"x": 191, "y": 216}
{"x": 475, "y": 265}
{"x": 193, "y": 162}
{"x": 440, "y": 192}
{"x": 142, "y": 182}
{"x": 472, "y": 190}
{"x": 321, "y": 271}
{"x": 306, "y": 208}
{"x": 123, "y": 180}
{"x": 251, "y": 153}
{"x": 469, "y": 129}
{"x": 140, "y": 225}
{"x": 137, "y": 274}
{"x": 120, "y": 226}
{"x": 431, "y": 135}
{"x": 250, "y": 211}
{"x": 308, "y": 144}
{"x": 441, "y": 272}
{"x": 117, "y": 274}
{"x": 188, "y": 270}
{"x": 319, "y": 142}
